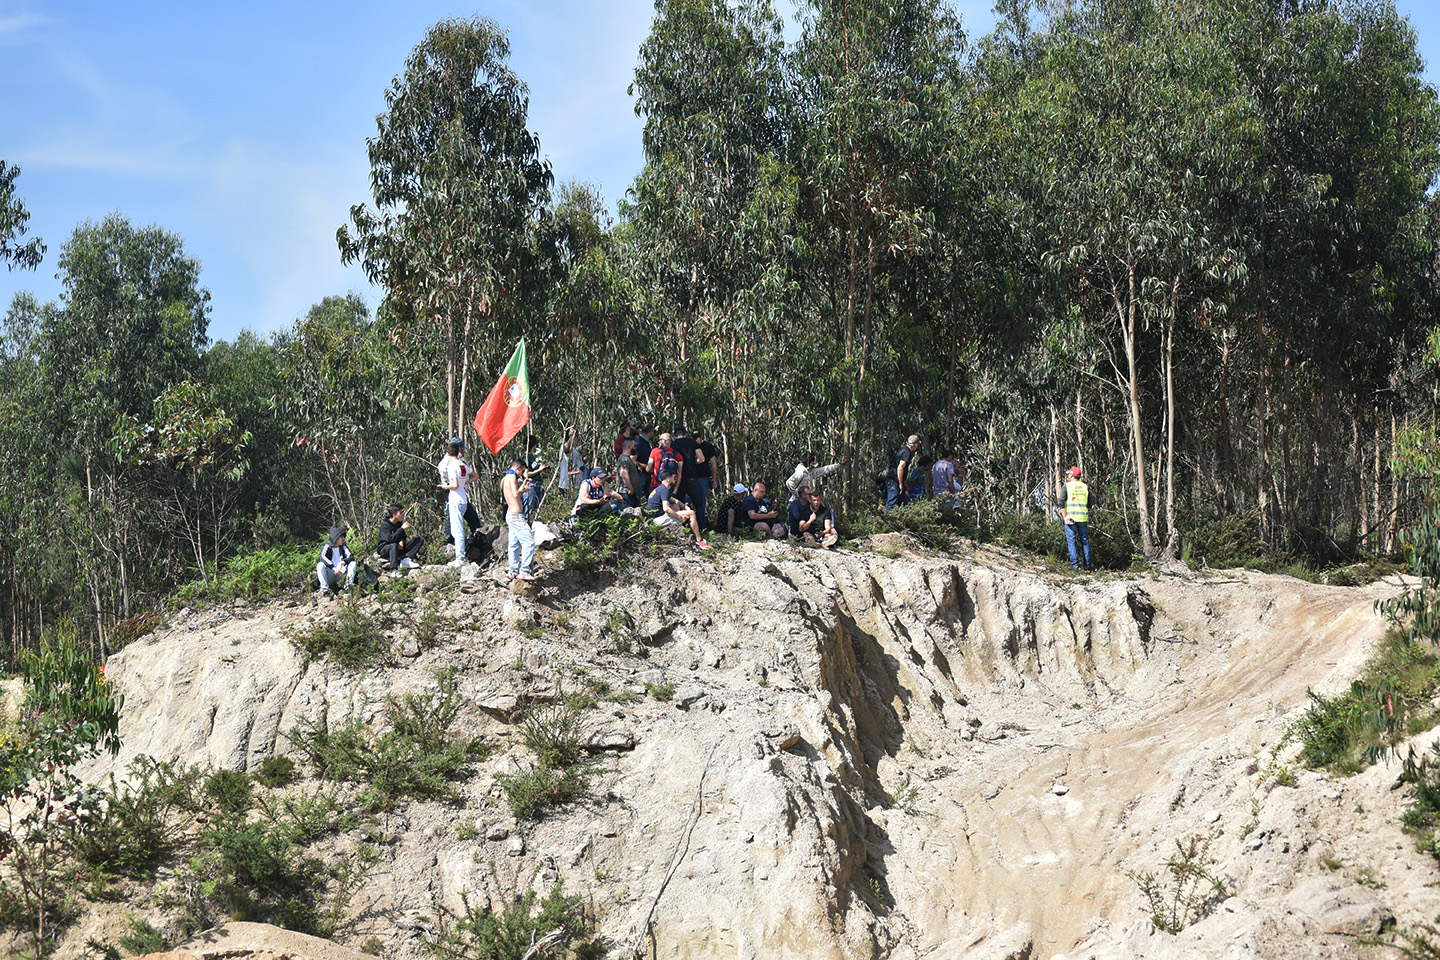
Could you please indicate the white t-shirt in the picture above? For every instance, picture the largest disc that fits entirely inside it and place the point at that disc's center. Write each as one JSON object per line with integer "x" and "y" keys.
{"x": 451, "y": 469}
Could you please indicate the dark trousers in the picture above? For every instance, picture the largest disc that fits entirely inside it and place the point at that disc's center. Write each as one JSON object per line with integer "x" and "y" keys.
{"x": 406, "y": 549}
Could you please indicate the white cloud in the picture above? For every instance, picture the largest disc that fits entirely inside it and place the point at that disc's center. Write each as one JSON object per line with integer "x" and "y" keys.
{"x": 18, "y": 26}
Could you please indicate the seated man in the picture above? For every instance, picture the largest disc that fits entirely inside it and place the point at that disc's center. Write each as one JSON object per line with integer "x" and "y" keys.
{"x": 394, "y": 542}
{"x": 336, "y": 561}
{"x": 821, "y": 522}
{"x": 667, "y": 511}
{"x": 595, "y": 497}
{"x": 757, "y": 512}
{"x": 799, "y": 509}
{"x": 730, "y": 515}
{"x": 627, "y": 475}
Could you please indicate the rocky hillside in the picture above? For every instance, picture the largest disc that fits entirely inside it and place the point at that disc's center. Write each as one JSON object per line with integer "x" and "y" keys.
{"x": 861, "y": 755}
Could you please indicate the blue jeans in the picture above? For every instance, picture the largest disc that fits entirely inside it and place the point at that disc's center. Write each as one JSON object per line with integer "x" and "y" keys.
{"x": 522, "y": 543}
{"x": 531, "y": 500}
{"x": 1078, "y": 530}
{"x": 892, "y": 493}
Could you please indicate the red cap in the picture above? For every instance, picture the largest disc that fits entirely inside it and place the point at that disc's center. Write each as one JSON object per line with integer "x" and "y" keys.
{"x": 1074, "y": 471}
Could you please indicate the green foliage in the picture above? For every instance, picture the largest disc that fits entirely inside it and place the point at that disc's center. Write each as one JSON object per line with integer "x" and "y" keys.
{"x": 64, "y": 682}
{"x": 142, "y": 938}
{"x": 1188, "y": 890}
{"x": 13, "y": 217}
{"x": 352, "y": 637}
{"x": 230, "y": 792}
{"x": 660, "y": 691}
{"x": 1348, "y": 732}
{"x": 135, "y": 826}
{"x": 555, "y": 733}
{"x": 530, "y": 795}
{"x": 255, "y": 575}
{"x": 513, "y": 933}
{"x": 420, "y": 755}
{"x": 275, "y": 771}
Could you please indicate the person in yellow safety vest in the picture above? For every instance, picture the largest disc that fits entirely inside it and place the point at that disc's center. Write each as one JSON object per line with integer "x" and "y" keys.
{"x": 1077, "y": 517}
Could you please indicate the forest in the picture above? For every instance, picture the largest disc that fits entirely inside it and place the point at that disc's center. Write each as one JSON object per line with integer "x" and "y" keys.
{"x": 1189, "y": 245}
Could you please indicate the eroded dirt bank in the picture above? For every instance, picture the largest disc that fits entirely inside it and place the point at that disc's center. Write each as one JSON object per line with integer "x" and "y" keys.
{"x": 864, "y": 756}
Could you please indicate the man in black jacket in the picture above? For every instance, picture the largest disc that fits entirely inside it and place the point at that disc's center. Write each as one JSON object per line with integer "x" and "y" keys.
{"x": 396, "y": 544}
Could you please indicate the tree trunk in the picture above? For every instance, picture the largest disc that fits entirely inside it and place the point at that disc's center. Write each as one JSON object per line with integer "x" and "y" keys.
{"x": 1128, "y": 311}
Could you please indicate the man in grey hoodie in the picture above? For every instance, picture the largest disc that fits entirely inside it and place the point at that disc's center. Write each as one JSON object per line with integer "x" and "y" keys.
{"x": 806, "y": 473}
{"x": 336, "y": 561}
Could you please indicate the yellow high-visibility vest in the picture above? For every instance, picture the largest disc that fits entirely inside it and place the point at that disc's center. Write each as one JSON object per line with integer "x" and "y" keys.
{"x": 1077, "y": 501}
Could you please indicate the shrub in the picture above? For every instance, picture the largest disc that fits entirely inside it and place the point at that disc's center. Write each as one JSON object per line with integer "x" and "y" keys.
{"x": 256, "y": 575}
{"x": 275, "y": 771}
{"x": 231, "y": 792}
{"x": 352, "y": 638}
{"x": 142, "y": 938}
{"x": 555, "y": 733}
{"x": 531, "y": 794}
{"x": 135, "y": 825}
{"x": 515, "y": 932}
{"x": 1348, "y": 732}
{"x": 1187, "y": 890}
{"x": 418, "y": 756}
{"x": 660, "y": 691}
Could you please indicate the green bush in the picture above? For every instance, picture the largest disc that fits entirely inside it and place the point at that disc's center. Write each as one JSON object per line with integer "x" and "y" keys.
{"x": 555, "y": 733}
{"x": 142, "y": 938}
{"x": 531, "y": 794}
{"x": 136, "y": 825}
{"x": 483, "y": 934}
{"x": 275, "y": 771}
{"x": 269, "y": 572}
{"x": 352, "y": 638}
{"x": 230, "y": 791}
{"x": 259, "y": 869}
{"x": 1347, "y": 733}
{"x": 420, "y": 755}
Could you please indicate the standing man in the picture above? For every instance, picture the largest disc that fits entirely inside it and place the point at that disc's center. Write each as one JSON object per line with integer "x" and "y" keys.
{"x": 705, "y": 459}
{"x": 896, "y": 483}
{"x": 806, "y": 473}
{"x": 687, "y": 450}
{"x": 1077, "y": 517}
{"x": 454, "y": 475}
{"x": 522, "y": 540}
{"x": 534, "y": 466}
{"x": 627, "y": 472}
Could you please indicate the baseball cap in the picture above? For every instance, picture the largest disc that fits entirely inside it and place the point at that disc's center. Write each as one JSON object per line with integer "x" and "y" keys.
{"x": 738, "y": 488}
{"x": 459, "y": 441}
{"x": 913, "y": 440}
{"x": 1074, "y": 471}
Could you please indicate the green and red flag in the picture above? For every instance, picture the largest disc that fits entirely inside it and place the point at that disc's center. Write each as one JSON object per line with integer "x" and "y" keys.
{"x": 507, "y": 409}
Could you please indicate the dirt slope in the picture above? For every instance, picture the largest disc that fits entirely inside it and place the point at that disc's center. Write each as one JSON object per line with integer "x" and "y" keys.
{"x": 865, "y": 756}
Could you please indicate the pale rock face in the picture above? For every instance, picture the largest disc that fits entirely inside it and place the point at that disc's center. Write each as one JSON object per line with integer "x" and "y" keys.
{"x": 864, "y": 757}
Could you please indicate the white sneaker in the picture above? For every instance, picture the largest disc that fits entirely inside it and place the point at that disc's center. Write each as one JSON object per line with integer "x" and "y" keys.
{"x": 457, "y": 562}
{"x": 406, "y": 563}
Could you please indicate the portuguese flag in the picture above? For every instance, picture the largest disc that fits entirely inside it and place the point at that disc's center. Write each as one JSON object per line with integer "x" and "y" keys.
{"x": 507, "y": 409}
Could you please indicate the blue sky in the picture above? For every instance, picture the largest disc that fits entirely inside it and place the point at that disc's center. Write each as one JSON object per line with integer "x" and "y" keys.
{"x": 242, "y": 127}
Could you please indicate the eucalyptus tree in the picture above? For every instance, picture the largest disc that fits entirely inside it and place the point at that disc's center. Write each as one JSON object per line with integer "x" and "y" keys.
{"x": 709, "y": 223}
{"x": 876, "y": 85}
{"x": 15, "y": 252}
{"x": 456, "y": 178}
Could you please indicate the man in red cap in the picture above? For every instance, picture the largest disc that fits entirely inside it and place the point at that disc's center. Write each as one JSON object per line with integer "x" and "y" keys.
{"x": 1077, "y": 517}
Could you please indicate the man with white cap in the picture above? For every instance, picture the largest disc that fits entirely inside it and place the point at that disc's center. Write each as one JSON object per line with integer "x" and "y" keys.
{"x": 895, "y": 492}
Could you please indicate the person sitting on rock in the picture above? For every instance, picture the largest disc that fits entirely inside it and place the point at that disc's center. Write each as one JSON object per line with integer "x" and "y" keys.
{"x": 596, "y": 497}
{"x": 667, "y": 510}
{"x": 336, "y": 561}
{"x": 760, "y": 515}
{"x": 799, "y": 509}
{"x": 730, "y": 515}
{"x": 394, "y": 542}
{"x": 819, "y": 526}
